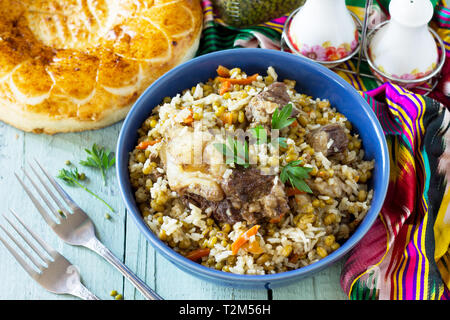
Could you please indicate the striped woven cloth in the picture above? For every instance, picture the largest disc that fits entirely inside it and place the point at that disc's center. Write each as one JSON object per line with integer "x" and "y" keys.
{"x": 406, "y": 253}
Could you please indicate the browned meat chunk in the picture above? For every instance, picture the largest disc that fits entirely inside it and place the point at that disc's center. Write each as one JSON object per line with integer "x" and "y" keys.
{"x": 330, "y": 139}
{"x": 221, "y": 211}
{"x": 250, "y": 196}
{"x": 277, "y": 93}
{"x": 261, "y": 107}
{"x": 192, "y": 164}
{"x": 246, "y": 184}
{"x": 258, "y": 196}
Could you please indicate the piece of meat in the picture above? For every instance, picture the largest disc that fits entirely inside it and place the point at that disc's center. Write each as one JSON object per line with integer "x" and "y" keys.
{"x": 183, "y": 178}
{"x": 277, "y": 93}
{"x": 247, "y": 184}
{"x": 259, "y": 111}
{"x": 221, "y": 211}
{"x": 190, "y": 166}
{"x": 330, "y": 139}
{"x": 261, "y": 107}
{"x": 249, "y": 196}
{"x": 260, "y": 196}
{"x": 275, "y": 204}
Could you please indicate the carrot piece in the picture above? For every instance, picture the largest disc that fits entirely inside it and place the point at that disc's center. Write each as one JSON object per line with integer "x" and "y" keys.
{"x": 223, "y": 71}
{"x": 197, "y": 254}
{"x": 247, "y": 80}
{"x": 243, "y": 238}
{"x": 225, "y": 87}
{"x": 227, "y": 117}
{"x": 276, "y": 219}
{"x": 190, "y": 118}
{"x": 144, "y": 144}
{"x": 253, "y": 247}
{"x": 294, "y": 258}
{"x": 293, "y": 191}
{"x": 294, "y": 124}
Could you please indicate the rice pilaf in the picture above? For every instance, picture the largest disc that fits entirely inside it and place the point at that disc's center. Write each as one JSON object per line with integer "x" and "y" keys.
{"x": 239, "y": 218}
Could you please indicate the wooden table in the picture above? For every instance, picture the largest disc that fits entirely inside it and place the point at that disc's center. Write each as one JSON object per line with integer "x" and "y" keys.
{"x": 119, "y": 233}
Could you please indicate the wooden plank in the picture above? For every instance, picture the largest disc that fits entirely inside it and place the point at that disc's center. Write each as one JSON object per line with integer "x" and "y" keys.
{"x": 52, "y": 151}
{"x": 322, "y": 286}
{"x": 140, "y": 257}
{"x": 176, "y": 284}
{"x": 15, "y": 282}
{"x": 327, "y": 284}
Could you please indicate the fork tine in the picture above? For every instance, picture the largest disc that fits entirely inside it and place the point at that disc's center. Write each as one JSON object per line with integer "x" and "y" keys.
{"x": 58, "y": 188}
{"x": 22, "y": 248}
{"x": 36, "y": 203}
{"x": 32, "y": 246}
{"x": 50, "y": 251}
{"x": 49, "y": 191}
{"x": 19, "y": 259}
{"x": 43, "y": 197}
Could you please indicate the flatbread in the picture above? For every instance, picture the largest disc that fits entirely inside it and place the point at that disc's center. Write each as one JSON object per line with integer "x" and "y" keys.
{"x": 74, "y": 65}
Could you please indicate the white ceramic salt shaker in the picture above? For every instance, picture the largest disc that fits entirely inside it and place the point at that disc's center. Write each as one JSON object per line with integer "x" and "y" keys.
{"x": 324, "y": 30}
{"x": 404, "y": 48}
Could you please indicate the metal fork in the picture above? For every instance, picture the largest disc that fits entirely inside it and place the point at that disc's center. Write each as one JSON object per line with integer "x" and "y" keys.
{"x": 74, "y": 226}
{"x": 56, "y": 273}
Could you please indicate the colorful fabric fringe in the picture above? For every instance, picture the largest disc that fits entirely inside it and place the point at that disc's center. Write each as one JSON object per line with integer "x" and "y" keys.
{"x": 406, "y": 253}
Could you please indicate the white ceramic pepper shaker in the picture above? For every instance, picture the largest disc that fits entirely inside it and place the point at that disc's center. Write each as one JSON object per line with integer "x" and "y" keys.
{"x": 324, "y": 30}
{"x": 404, "y": 48}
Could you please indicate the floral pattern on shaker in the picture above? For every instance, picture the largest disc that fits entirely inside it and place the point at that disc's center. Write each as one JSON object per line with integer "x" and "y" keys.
{"x": 314, "y": 52}
{"x": 414, "y": 75}
{"x": 327, "y": 52}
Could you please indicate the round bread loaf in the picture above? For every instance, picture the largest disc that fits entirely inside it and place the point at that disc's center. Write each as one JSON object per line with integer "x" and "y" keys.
{"x": 74, "y": 65}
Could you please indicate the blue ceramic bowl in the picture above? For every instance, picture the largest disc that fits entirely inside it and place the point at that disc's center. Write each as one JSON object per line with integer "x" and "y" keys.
{"x": 312, "y": 79}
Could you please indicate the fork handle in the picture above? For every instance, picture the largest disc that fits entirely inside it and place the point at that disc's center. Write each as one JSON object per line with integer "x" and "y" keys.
{"x": 98, "y": 247}
{"x": 82, "y": 292}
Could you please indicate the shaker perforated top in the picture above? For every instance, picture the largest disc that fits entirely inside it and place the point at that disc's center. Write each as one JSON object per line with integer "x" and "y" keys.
{"x": 411, "y": 12}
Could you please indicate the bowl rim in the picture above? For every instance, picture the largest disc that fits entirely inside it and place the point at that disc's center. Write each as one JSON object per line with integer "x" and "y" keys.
{"x": 185, "y": 264}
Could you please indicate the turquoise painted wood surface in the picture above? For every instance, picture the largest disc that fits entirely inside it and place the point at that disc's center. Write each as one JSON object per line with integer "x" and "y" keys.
{"x": 119, "y": 233}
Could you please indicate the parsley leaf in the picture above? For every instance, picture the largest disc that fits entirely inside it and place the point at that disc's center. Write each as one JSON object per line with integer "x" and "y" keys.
{"x": 261, "y": 137}
{"x": 99, "y": 158}
{"x": 281, "y": 141}
{"x": 296, "y": 176}
{"x": 260, "y": 134}
{"x": 235, "y": 152}
{"x": 282, "y": 119}
{"x": 72, "y": 178}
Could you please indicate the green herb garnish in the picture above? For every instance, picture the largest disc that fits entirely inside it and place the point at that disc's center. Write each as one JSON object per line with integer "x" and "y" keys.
{"x": 99, "y": 158}
{"x": 260, "y": 134}
{"x": 282, "y": 119}
{"x": 72, "y": 178}
{"x": 296, "y": 175}
{"x": 282, "y": 142}
{"x": 235, "y": 152}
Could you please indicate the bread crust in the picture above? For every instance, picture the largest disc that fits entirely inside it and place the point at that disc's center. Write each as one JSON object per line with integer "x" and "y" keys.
{"x": 70, "y": 66}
